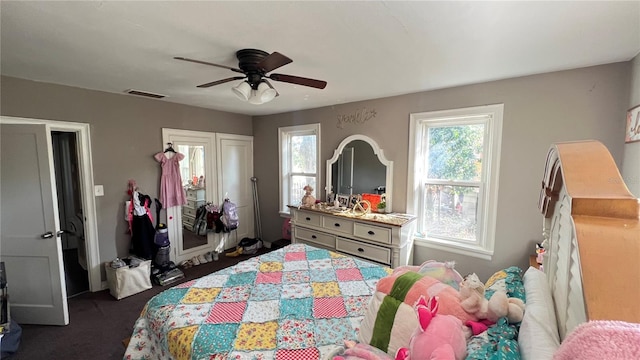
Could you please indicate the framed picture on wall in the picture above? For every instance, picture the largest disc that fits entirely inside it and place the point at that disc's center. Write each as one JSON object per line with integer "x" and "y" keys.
{"x": 633, "y": 125}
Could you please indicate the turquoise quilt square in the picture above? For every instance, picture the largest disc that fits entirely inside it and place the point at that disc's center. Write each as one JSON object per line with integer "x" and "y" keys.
{"x": 296, "y": 308}
{"x": 317, "y": 254}
{"x": 243, "y": 278}
{"x": 213, "y": 339}
{"x": 369, "y": 273}
{"x": 168, "y": 297}
{"x": 333, "y": 331}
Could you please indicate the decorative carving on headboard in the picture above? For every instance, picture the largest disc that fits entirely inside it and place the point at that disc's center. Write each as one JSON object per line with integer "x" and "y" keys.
{"x": 357, "y": 117}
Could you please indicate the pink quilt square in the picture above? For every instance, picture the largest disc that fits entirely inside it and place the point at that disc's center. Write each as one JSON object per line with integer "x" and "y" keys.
{"x": 230, "y": 312}
{"x": 348, "y": 274}
{"x": 285, "y": 354}
{"x": 269, "y": 277}
{"x": 295, "y": 256}
{"x": 332, "y": 307}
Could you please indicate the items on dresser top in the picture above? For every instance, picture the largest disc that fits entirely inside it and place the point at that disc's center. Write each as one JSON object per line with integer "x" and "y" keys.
{"x": 382, "y": 238}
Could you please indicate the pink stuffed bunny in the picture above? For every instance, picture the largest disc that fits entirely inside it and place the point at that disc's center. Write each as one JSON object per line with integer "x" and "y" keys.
{"x": 439, "y": 337}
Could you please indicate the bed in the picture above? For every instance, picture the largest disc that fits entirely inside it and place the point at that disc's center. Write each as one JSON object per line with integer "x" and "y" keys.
{"x": 301, "y": 302}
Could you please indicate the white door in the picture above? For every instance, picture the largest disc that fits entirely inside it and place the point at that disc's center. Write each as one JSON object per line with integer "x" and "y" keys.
{"x": 235, "y": 169}
{"x": 30, "y": 245}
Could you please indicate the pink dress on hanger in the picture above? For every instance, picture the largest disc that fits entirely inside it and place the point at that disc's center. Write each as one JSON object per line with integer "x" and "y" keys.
{"x": 171, "y": 190}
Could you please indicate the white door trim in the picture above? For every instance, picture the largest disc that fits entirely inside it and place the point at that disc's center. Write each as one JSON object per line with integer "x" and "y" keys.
{"x": 83, "y": 132}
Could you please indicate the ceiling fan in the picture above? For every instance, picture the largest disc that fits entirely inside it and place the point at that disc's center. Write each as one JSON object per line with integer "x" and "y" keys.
{"x": 255, "y": 65}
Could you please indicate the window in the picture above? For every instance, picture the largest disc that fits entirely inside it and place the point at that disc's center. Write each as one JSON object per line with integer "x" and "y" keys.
{"x": 453, "y": 181}
{"x": 299, "y": 162}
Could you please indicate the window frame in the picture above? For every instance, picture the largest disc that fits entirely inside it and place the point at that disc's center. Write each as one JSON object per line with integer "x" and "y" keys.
{"x": 284, "y": 161}
{"x": 492, "y": 117}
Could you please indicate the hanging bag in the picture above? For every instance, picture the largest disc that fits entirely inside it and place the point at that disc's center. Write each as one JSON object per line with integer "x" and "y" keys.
{"x": 229, "y": 215}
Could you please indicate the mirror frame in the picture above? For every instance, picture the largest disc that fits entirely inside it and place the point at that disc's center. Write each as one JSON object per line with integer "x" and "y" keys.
{"x": 174, "y": 214}
{"x": 376, "y": 151}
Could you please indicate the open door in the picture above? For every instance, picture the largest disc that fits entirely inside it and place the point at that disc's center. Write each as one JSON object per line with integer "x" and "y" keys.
{"x": 30, "y": 245}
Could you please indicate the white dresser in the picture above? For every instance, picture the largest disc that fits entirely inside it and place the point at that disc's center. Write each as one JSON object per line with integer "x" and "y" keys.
{"x": 195, "y": 198}
{"x": 382, "y": 238}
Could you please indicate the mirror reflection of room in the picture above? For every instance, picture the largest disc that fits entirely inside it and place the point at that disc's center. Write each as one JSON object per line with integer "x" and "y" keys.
{"x": 192, "y": 170}
{"x": 358, "y": 170}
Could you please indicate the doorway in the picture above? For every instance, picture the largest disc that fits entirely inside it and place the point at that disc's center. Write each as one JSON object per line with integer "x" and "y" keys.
{"x": 70, "y": 212}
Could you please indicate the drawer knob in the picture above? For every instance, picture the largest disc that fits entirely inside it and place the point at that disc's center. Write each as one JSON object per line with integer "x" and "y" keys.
{"x": 361, "y": 250}
{"x": 314, "y": 237}
{"x": 336, "y": 225}
{"x": 308, "y": 218}
{"x": 371, "y": 232}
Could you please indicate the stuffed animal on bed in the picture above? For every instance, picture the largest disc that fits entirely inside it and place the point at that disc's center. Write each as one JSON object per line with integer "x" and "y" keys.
{"x": 438, "y": 337}
{"x": 499, "y": 305}
{"x": 360, "y": 351}
{"x": 444, "y": 272}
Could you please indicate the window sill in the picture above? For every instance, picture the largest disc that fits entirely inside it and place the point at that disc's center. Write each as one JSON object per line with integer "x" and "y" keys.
{"x": 466, "y": 250}
{"x": 285, "y": 214}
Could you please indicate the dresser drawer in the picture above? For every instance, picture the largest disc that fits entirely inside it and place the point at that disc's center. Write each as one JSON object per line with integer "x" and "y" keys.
{"x": 373, "y": 233}
{"x": 188, "y": 211}
{"x": 315, "y": 237}
{"x": 194, "y": 204}
{"x": 337, "y": 224}
{"x": 305, "y": 218}
{"x": 188, "y": 221}
{"x": 195, "y": 194}
{"x": 366, "y": 251}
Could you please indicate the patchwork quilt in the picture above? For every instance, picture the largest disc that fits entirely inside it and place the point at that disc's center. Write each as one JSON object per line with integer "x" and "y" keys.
{"x": 298, "y": 302}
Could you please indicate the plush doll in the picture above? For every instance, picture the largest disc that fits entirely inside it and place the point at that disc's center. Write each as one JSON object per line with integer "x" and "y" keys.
{"x": 361, "y": 351}
{"x": 439, "y": 337}
{"x": 499, "y": 305}
{"x": 308, "y": 199}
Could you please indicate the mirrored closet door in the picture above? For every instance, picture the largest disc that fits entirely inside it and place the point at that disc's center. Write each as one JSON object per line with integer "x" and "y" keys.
{"x": 198, "y": 174}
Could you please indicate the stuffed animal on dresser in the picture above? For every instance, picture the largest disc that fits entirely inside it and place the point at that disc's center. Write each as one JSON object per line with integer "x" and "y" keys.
{"x": 308, "y": 199}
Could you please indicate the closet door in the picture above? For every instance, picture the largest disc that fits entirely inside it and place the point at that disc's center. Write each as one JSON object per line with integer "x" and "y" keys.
{"x": 235, "y": 169}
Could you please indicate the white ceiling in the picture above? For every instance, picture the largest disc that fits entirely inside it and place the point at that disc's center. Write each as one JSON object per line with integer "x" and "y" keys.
{"x": 364, "y": 50}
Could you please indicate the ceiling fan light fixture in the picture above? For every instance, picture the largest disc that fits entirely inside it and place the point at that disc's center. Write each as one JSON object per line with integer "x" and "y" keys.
{"x": 243, "y": 91}
{"x": 265, "y": 92}
{"x": 255, "y": 99}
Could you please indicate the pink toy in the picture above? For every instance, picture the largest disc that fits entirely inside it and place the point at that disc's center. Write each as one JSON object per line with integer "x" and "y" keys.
{"x": 360, "y": 351}
{"x": 438, "y": 337}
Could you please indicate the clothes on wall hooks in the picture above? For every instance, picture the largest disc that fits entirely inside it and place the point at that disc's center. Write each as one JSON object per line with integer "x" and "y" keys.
{"x": 140, "y": 222}
{"x": 171, "y": 191}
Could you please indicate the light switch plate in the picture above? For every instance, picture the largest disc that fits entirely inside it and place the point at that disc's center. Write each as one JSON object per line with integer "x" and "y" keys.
{"x": 98, "y": 190}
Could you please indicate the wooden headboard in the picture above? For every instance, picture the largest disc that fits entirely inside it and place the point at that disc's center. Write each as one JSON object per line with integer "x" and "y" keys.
{"x": 592, "y": 235}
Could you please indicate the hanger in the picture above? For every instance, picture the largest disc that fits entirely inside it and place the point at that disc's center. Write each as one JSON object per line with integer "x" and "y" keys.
{"x": 170, "y": 148}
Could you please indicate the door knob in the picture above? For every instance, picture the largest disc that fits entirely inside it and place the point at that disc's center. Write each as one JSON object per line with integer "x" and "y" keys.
{"x": 47, "y": 235}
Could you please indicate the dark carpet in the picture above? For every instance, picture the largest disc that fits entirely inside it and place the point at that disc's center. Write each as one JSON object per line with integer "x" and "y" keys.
{"x": 98, "y": 322}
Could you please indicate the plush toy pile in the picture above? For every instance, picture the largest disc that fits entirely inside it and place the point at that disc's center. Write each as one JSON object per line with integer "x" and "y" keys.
{"x": 460, "y": 319}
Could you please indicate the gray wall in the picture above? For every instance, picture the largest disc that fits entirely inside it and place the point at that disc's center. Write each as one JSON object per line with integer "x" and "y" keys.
{"x": 125, "y": 133}
{"x": 586, "y": 103}
{"x": 539, "y": 110}
{"x": 631, "y": 161}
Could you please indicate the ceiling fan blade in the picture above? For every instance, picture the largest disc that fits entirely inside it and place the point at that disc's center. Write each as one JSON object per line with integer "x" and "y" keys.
{"x": 208, "y": 63}
{"x": 213, "y": 83}
{"x": 298, "y": 80}
{"x": 273, "y": 61}
{"x": 271, "y": 86}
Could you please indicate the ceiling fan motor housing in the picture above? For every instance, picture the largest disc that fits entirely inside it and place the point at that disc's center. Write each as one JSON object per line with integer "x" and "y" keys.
{"x": 248, "y": 60}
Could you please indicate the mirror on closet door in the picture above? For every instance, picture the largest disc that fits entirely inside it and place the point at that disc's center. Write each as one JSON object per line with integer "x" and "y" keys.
{"x": 193, "y": 181}
{"x": 197, "y": 172}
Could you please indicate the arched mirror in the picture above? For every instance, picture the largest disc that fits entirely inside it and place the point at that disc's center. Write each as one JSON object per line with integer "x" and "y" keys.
{"x": 197, "y": 174}
{"x": 359, "y": 166}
